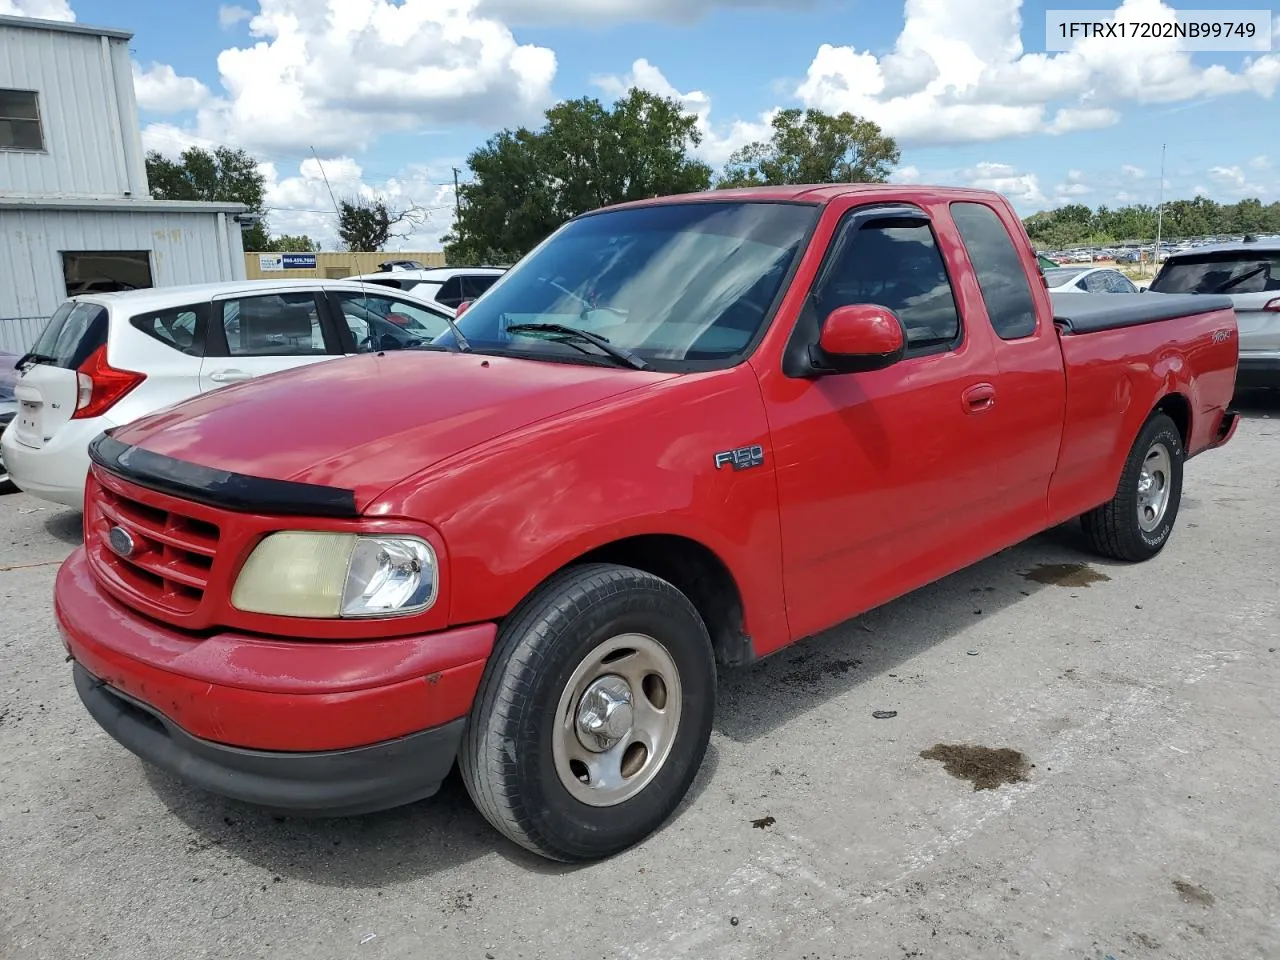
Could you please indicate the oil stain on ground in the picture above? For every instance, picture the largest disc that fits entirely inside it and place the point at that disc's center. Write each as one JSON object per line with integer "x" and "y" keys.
{"x": 986, "y": 768}
{"x": 1066, "y": 575}
{"x": 1191, "y": 893}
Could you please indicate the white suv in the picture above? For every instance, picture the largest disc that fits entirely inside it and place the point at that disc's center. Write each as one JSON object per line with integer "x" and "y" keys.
{"x": 448, "y": 286}
{"x": 106, "y": 359}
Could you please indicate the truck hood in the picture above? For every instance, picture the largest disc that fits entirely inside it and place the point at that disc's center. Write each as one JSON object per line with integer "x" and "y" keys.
{"x": 365, "y": 423}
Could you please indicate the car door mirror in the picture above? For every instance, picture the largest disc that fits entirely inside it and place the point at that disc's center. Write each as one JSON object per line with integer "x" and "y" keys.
{"x": 461, "y": 308}
{"x": 859, "y": 338}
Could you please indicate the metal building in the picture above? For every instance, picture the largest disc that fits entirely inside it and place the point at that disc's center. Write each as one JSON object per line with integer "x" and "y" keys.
{"x": 75, "y": 209}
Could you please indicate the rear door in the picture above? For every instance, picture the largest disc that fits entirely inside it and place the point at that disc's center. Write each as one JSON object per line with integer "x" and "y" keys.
{"x": 1033, "y": 390}
{"x": 48, "y": 387}
{"x": 259, "y": 333}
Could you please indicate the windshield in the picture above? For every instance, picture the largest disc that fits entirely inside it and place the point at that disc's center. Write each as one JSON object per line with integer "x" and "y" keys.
{"x": 1232, "y": 271}
{"x": 1059, "y": 276}
{"x": 683, "y": 282}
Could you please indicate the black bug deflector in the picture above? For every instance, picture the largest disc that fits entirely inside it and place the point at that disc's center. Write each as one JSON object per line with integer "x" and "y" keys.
{"x": 220, "y": 488}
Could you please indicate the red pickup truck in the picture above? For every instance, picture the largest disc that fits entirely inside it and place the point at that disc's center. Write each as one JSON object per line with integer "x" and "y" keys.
{"x": 682, "y": 432}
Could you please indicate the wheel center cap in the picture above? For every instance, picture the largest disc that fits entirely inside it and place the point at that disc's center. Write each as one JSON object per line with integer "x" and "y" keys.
{"x": 605, "y": 713}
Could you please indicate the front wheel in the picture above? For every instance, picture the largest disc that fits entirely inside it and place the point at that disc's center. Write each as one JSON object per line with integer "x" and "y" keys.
{"x": 1138, "y": 520}
{"x": 593, "y": 715}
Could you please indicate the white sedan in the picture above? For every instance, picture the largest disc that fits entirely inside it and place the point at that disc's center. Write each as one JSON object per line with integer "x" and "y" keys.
{"x": 1087, "y": 280}
{"x": 105, "y": 359}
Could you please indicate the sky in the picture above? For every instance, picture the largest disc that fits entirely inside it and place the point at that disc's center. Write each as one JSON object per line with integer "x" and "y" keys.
{"x": 392, "y": 95}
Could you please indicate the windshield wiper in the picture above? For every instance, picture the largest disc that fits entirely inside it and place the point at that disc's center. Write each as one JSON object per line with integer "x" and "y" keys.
{"x": 1234, "y": 281}
{"x": 463, "y": 345}
{"x": 618, "y": 353}
{"x": 34, "y": 358}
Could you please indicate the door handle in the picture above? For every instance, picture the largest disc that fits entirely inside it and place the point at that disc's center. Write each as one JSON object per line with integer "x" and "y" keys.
{"x": 979, "y": 397}
{"x": 229, "y": 376}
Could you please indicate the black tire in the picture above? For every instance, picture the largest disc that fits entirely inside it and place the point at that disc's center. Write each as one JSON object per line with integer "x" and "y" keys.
{"x": 1113, "y": 529}
{"x": 506, "y": 757}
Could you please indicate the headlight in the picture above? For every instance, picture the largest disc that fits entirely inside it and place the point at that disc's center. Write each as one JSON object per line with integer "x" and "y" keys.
{"x": 330, "y": 575}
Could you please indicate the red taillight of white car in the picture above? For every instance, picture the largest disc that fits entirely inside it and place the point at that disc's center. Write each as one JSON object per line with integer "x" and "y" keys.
{"x": 1273, "y": 306}
{"x": 101, "y": 386}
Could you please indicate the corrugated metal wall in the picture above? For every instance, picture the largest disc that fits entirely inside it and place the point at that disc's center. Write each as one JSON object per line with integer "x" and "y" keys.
{"x": 185, "y": 248}
{"x": 88, "y": 114}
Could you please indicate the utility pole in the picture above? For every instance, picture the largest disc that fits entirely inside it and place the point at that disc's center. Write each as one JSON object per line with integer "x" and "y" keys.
{"x": 1160, "y": 211}
{"x": 457, "y": 206}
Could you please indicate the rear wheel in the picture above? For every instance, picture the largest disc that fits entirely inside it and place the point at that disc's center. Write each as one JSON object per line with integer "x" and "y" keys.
{"x": 1137, "y": 522}
{"x": 593, "y": 715}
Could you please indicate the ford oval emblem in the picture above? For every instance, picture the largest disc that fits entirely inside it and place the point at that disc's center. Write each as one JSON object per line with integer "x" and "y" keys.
{"x": 120, "y": 541}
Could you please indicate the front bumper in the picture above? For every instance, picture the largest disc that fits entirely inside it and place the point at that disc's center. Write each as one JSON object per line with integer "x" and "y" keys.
{"x": 330, "y": 783}
{"x": 313, "y": 727}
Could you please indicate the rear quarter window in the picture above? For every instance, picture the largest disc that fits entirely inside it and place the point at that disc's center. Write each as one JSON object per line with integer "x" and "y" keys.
{"x": 1001, "y": 276}
{"x": 180, "y": 327}
{"x": 1235, "y": 271}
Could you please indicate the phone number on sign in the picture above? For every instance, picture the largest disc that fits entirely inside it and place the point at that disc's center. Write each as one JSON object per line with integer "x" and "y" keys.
{"x": 1220, "y": 30}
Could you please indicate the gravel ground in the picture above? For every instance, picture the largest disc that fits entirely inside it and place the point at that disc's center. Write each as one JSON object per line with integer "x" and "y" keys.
{"x": 1144, "y": 823}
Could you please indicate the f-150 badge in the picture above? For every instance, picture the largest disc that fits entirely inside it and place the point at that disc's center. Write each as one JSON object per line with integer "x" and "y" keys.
{"x": 743, "y": 458}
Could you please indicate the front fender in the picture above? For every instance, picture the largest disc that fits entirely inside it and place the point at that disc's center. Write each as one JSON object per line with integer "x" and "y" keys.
{"x": 514, "y": 511}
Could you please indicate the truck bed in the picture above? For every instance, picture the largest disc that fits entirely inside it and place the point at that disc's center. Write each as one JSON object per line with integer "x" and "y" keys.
{"x": 1076, "y": 313}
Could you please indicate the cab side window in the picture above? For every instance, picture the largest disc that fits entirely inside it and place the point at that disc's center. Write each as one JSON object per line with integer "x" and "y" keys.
{"x": 1001, "y": 276}
{"x": 899, "y": 267}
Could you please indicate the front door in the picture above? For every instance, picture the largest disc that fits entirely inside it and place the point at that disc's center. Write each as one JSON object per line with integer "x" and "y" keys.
{"x": 884, "y": 478}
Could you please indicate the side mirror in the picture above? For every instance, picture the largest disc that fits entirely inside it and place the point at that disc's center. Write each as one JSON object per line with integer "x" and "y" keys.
{"x": 859, "y": 338}
{"x": 462, "y": 308}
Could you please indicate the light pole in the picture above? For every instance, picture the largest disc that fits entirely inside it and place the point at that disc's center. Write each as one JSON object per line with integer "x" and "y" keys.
{"x": 1160, "y": 210}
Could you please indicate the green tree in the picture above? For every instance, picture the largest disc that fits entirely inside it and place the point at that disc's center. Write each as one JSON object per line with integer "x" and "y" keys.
{"x": 527, "y": 182}
{"x": 222, "y": 174}
{"x": 814, "y": 147}
{"x": 290, "y": 243}
{"x": 368, "y": 224}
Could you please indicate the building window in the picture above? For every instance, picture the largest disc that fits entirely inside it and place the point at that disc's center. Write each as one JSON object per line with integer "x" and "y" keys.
{"x": 20, "y": 121}
{"x": 106, "y": 271}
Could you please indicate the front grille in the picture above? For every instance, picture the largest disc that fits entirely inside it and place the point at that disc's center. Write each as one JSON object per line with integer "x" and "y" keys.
{"x": 171, "y": 553}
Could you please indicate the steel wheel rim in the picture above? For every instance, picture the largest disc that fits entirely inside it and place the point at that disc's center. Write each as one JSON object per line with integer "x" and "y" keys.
{"x": 597, "y": 761}
{"x": 1155, "y": 482}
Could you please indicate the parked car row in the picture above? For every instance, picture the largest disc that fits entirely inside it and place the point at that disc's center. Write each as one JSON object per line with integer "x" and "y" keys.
{"x": 106, "y": 359}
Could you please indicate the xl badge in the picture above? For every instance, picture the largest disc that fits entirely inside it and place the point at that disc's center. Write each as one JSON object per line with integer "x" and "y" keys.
{"x": 743, "y": 458}
{"x": 120, "y": 541}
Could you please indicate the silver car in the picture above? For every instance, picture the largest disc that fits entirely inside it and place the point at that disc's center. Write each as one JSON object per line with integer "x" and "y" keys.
{"x": 1248, "y": 271}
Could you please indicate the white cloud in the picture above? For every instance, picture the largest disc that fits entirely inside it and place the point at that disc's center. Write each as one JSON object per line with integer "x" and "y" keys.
{"x": 40, "y": 9}
{"x": 229, "y": 14}
{"x": 908, "y": 174}
{"x": 577, "y": 12}
{"x": 1261, "y": 162}
{"x": 300, "y": 203}
{"x": 1064, "y": 190}
{"x": 1199, "y": 191}
{"x": 718, "y": 141}
{"x": 1129, "y": 170}
{"x": 160, "y": 90}
{"x": 336, "y": 74}
{"x": 958, "y": 73}
{"x": 1229, "y": 176}
{"x": 1020, "y": 188}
